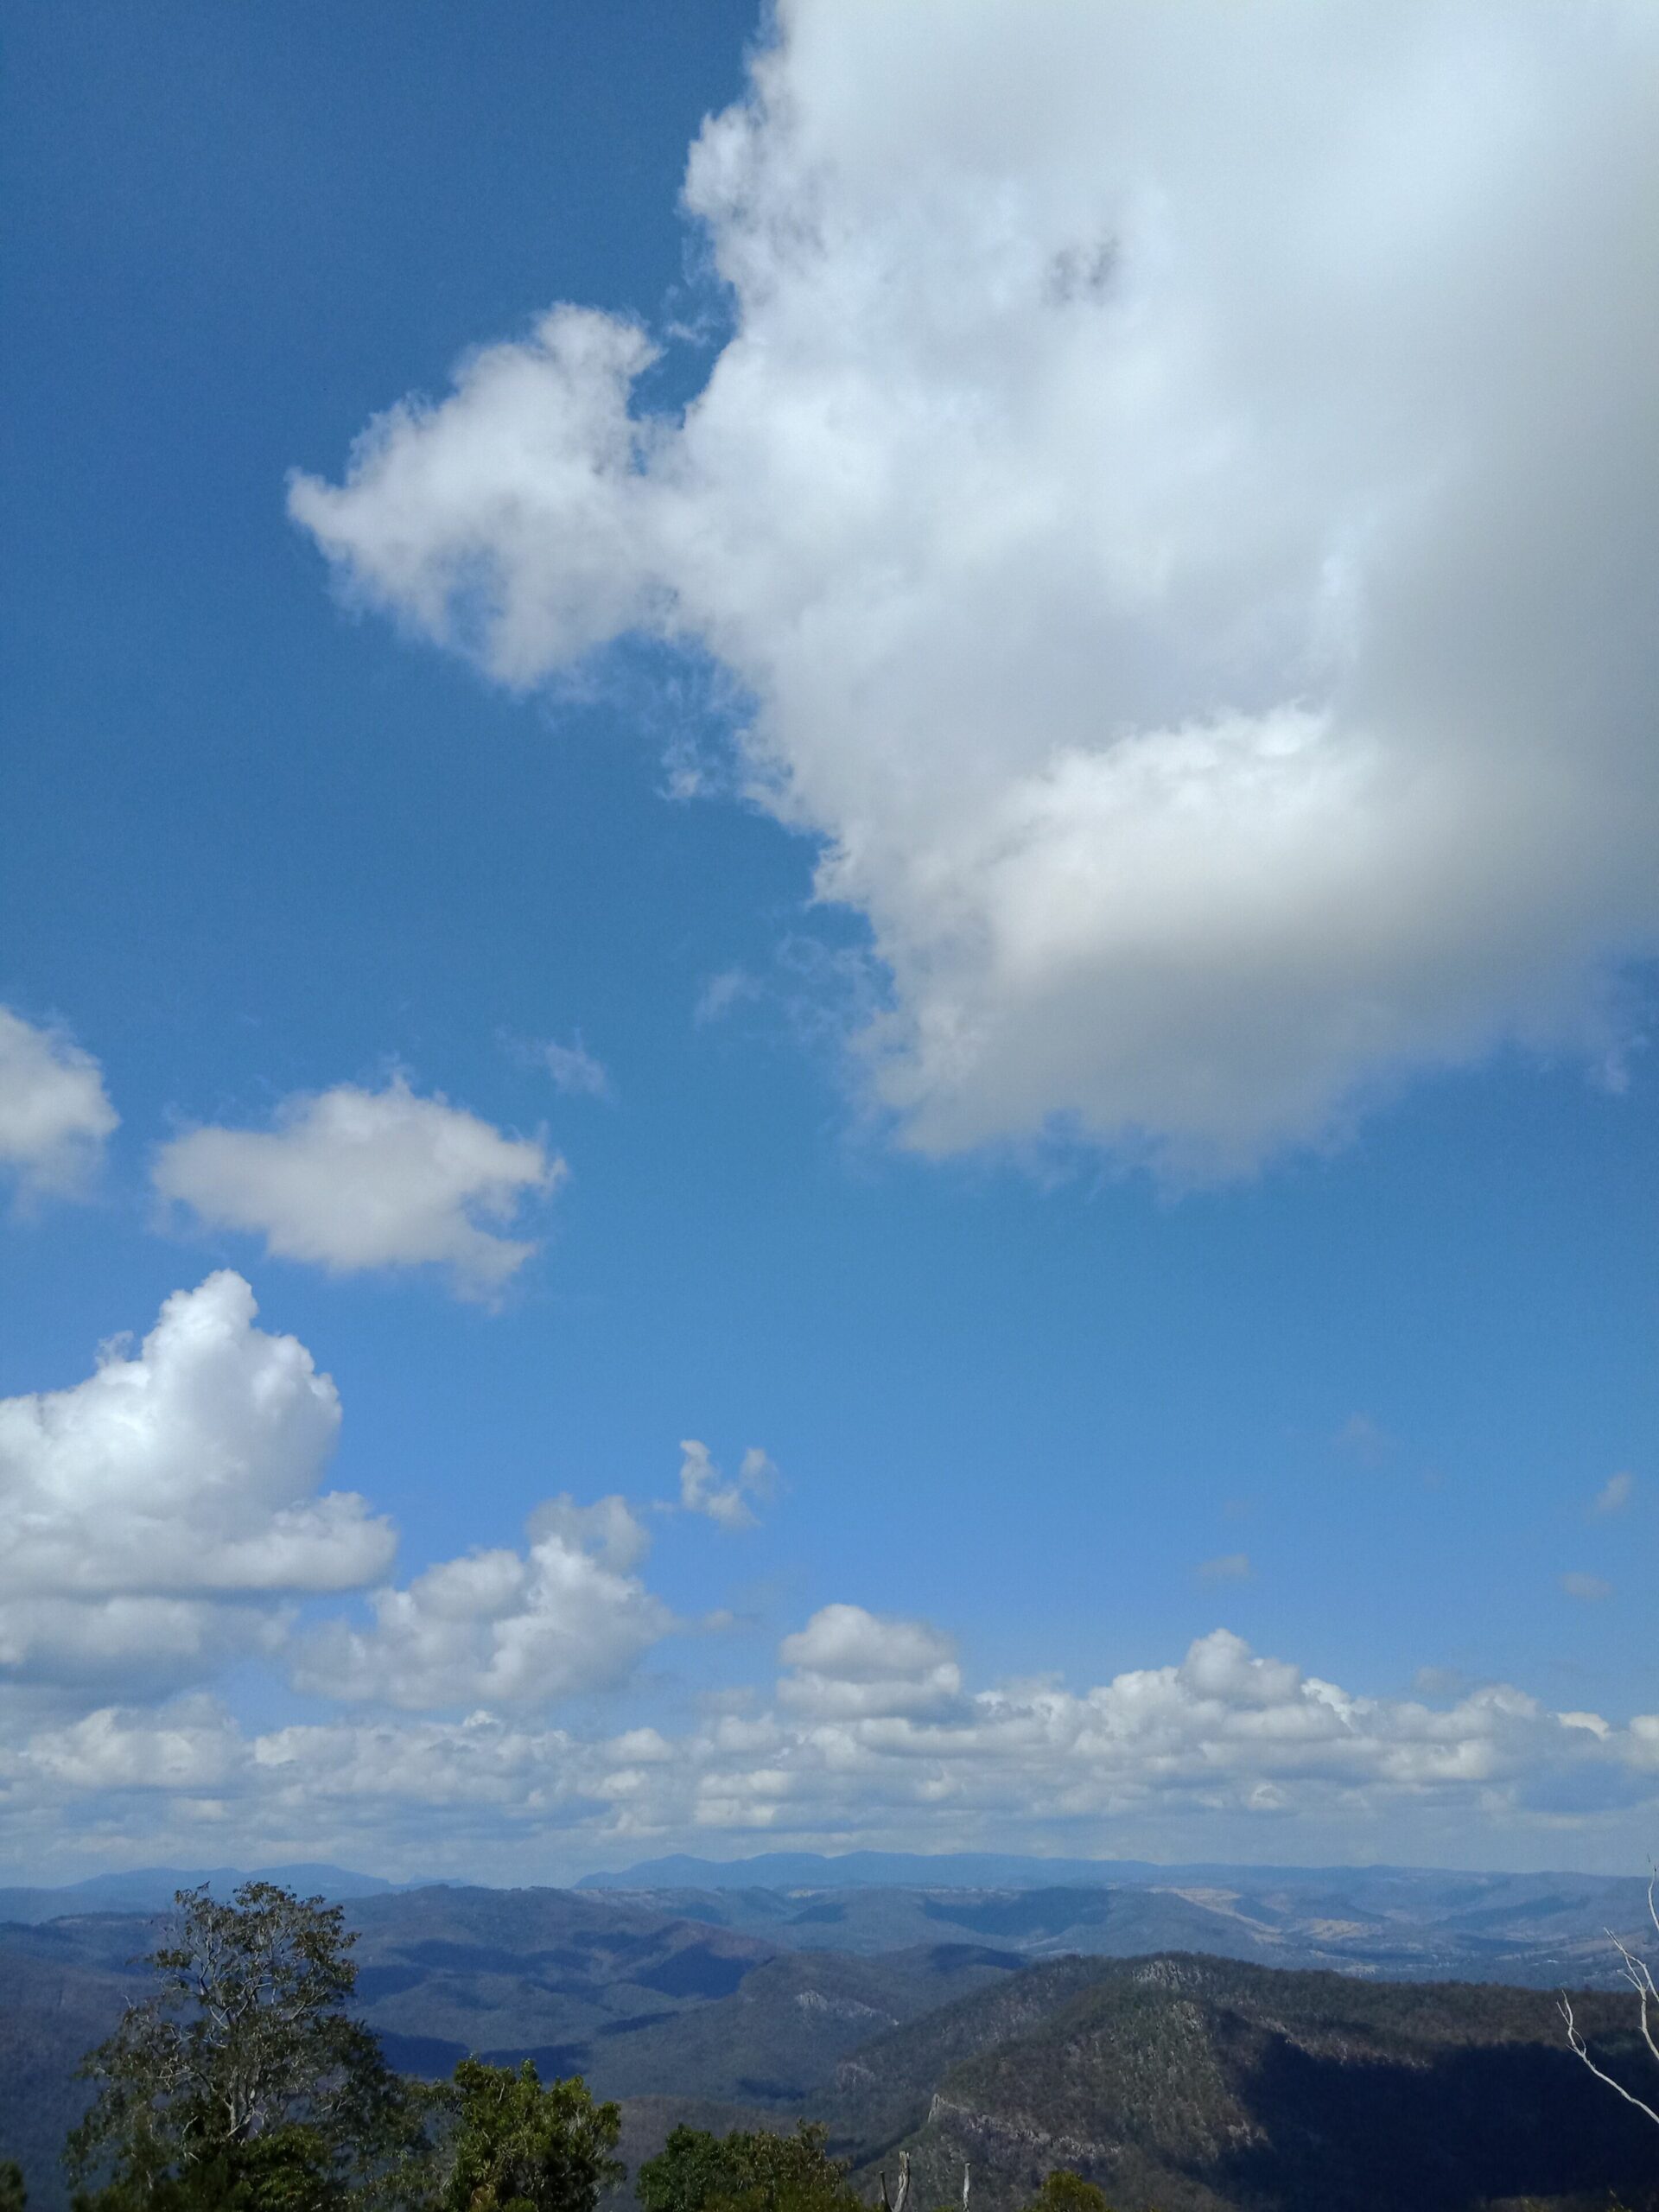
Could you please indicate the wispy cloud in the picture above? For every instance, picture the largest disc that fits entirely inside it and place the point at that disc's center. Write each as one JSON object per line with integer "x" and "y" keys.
{"x": 573, "y": 1070}
{"x": 732, "y": 1504}
{"x": 1365, "y": 1439}
{"x": 721, "y": 993}
{"x": 1231, "y": 1566}
{"x": 1615, "y": 1494}
{"x": 1590, "y": 1589}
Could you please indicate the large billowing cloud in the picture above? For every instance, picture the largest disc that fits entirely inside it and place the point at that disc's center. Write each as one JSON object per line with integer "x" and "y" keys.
{"x": 152, "y": 1516}
{"x": 352, "y": 1179}
{"x": 1178, "y": 496}
{"x": 54, "y": 1112}
{"x": 503, "y": 1628}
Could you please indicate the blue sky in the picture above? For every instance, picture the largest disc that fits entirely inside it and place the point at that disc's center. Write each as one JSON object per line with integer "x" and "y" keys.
{"x": 1083, "y": 853}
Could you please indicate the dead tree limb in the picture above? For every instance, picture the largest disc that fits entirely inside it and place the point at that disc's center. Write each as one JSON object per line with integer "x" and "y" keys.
{"x": 1639, "y": 1974}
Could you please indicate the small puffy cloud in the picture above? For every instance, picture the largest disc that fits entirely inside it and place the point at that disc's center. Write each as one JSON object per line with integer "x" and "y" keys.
{"x": 1590, "y": 1589}
{"x": 850, "y": 1664}
{"x": 1615, "y": 1494}
{"x": 146, "y": 1512}
{"x": 54, "y": 1112}
{"x": 502, "y": 1627}
{"x": 703, "y": 1490}
{"x": 1175, "y": 500}
{"x": 1231, "y": 1566}
{"x": 351, "y": 1179}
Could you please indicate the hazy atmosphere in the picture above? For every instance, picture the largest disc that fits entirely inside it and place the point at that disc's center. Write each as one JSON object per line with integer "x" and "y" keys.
{"x": 828, "y": 938}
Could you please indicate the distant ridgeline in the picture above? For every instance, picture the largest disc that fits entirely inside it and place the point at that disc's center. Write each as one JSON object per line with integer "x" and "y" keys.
{"x": 1013, "y": 2029}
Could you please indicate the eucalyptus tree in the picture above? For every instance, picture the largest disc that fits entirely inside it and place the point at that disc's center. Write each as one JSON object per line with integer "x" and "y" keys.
{"x": 242, "y": 2080}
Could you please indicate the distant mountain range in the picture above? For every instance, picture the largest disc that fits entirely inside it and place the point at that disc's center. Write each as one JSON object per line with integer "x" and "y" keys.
{"x": 1539, "y": 1929}
{"x": 951, "y": 1870}
{"x": 151, "y": 1888}
{"x": 997, "y": 2022}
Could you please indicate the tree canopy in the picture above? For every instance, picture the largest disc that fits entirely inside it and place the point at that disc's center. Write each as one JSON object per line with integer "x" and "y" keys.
{"x": 242, "y": 2081}
{"x": 519, "y": 2146}
{"x": 242, "y": 2084}
{"x": 756, "y": 2172}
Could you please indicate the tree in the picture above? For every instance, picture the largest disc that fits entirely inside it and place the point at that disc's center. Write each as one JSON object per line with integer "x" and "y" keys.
{"x": 519, "y": 2146}
{"x": 241, "y": 2083}
{"x": 1064, "y": 2191}
{"x": 758, "y": 2172}
{"x": 13, "y": 2195}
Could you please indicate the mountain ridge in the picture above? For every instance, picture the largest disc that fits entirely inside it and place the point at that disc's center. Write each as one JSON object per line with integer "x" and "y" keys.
{"x": 151, "y": 1888}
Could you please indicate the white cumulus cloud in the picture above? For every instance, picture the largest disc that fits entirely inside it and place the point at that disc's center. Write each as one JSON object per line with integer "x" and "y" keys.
{"x": 1177, "y": 499}
{"x": 850, "y": 1664}
{"x": 1192, "y": 1757}
{"x": 503, "y": 1627}
{"x": 351, "y": 1179}
{"x": 702, "y": 1489}
{"x": 1615, "y": 1494}
{"x": 150, "y": 1513}
{"x": 54, "y": 1112}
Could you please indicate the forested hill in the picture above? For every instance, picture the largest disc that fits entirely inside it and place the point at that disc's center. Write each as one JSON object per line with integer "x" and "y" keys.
{"x": 1187, "y": 2082}
{"x": 1203, "y": 2085}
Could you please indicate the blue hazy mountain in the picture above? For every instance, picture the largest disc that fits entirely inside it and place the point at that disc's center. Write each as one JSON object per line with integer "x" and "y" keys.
{"x": 150, "y": 1888}
{"x": 954, "y": 1870}
{"x": 812, "y": 1869}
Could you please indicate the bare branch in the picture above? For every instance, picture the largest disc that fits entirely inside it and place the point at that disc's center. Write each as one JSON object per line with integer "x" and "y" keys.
{"x": 1582, "y": 2050}
{"x": 1639, "y": 1974}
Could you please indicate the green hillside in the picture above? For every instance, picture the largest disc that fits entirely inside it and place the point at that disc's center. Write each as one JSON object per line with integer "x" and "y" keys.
{"x": 62, "y": 1988}
{"x": 778, "y": 2039}
{"x": 1201, "y": 2085}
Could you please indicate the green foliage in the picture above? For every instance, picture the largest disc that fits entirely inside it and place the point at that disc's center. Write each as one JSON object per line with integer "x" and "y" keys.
{"x": 13, "y": 2195}
{"x": 1064, "y": 2191}
{"x": 519, "y": 2146}
{"x": 241, "y": 2086}
{"x": 760, "y": 2171}
{"x": 288, "y": 2170}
